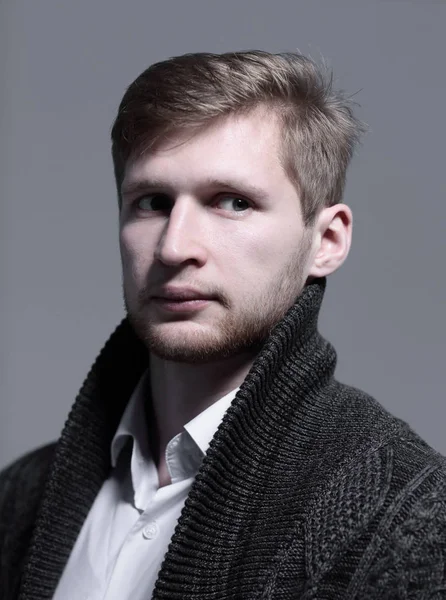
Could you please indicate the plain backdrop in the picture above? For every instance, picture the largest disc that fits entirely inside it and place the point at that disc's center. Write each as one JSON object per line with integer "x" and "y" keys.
{"x": 64, "y": 67}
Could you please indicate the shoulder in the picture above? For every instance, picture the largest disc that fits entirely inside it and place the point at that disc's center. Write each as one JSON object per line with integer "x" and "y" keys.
{"x": 21, "y": 488}
{"x": 356, "y": 424}
{"x": 29, "y": 463}
{"x": 384, "y": 464}
{"x": 21, "y": 483}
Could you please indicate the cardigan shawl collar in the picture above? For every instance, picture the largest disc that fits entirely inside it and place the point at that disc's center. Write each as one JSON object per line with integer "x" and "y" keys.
{"x": 253, "y": 486}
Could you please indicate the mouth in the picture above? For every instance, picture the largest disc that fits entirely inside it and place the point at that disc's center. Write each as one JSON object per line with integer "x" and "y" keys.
{"x": 175, "y": 304}
{"x": 180, "y": 299}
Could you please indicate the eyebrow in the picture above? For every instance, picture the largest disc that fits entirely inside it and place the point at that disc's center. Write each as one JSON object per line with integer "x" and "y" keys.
{"x": 142, "y": 185}
{"x": 231, "y": 184}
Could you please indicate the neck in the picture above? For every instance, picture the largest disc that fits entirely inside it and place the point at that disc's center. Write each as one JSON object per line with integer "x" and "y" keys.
{"x": 182, "y": 391}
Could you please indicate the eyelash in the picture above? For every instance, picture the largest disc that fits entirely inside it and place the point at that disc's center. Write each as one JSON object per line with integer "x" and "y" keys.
{"x": 134, "y": 203}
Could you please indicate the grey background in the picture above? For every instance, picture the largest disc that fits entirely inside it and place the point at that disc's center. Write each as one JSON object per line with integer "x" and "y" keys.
{"x": 64, "y": 67}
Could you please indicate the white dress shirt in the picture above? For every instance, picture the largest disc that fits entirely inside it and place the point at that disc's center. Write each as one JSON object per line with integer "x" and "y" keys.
{"x": 125, "y": 536}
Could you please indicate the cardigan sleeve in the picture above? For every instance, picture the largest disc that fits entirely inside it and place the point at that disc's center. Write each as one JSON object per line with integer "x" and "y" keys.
{"x": 410, "y": 560}
{"x": 390, "y": 545}
{"x": 21, "y": 488}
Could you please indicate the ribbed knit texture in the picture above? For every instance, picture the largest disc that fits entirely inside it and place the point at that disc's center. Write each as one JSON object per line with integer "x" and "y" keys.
{"x": 310, "y": 489}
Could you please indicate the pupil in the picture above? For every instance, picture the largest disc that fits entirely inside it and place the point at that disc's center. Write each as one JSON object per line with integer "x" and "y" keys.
{"x": 158, "y": 202}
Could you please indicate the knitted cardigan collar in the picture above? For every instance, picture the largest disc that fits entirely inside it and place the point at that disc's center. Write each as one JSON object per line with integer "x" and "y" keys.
{"x": 249, "y": 481}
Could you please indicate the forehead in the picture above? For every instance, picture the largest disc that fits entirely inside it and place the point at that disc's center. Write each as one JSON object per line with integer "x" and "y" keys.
{"x": 244, "y": 146}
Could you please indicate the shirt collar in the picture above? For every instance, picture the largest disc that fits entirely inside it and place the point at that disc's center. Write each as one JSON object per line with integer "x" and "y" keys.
{"x": 185, "y": 451}
{"x": 133, "y": 423}
{"x": 203, "y": 427}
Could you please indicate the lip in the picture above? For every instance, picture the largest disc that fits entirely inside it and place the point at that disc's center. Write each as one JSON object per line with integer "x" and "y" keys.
{"x": 179, "y": 294}
{"x": 181, "y": 305}
{"x": 180, "y": 299}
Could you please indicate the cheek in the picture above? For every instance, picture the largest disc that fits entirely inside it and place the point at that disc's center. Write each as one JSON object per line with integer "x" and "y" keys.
{"x": 125, "y": 247}
{"x": 246, "y": 262}
{"x": 135, "y": 239}
{"x": 263, "y": 250}
{"x": 136, "y": 251}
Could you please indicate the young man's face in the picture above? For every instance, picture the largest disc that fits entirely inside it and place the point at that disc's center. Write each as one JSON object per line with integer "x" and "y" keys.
{"x": 213, "y": 246}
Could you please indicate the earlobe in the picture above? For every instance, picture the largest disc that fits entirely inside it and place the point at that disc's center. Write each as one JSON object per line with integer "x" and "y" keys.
{"x": 334, "y": 232}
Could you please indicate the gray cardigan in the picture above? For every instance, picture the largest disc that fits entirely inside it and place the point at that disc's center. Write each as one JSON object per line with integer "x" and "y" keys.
{"x": 310, "y": 488}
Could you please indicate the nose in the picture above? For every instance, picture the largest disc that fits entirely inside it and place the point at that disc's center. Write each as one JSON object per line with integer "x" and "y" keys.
{"x": 182, "y": 236}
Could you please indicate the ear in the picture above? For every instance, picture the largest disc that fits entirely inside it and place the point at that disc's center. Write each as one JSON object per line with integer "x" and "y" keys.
{"x": 332, "y": 236}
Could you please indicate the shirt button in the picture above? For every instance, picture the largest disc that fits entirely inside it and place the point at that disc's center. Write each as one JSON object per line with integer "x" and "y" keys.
{"x": 150, "y": 531}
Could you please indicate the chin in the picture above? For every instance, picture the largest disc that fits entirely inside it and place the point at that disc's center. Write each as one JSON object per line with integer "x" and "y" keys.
{"x": 198, "y": 355}
{"x": 191, "y": 343}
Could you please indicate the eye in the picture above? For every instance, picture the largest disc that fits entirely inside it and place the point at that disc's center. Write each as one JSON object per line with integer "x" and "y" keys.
{"x": 233, "y": 203}
{"x": 154, "y": 202}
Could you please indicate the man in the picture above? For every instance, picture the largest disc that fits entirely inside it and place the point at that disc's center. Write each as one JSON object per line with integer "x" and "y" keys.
{"x": 210, "y": 452}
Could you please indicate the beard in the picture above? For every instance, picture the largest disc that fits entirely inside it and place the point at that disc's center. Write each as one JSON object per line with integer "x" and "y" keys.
{"x": 240, "y": 329}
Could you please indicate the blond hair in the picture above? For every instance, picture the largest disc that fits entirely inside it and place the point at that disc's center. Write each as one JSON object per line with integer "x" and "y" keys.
{"x": 318, "y": 127}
